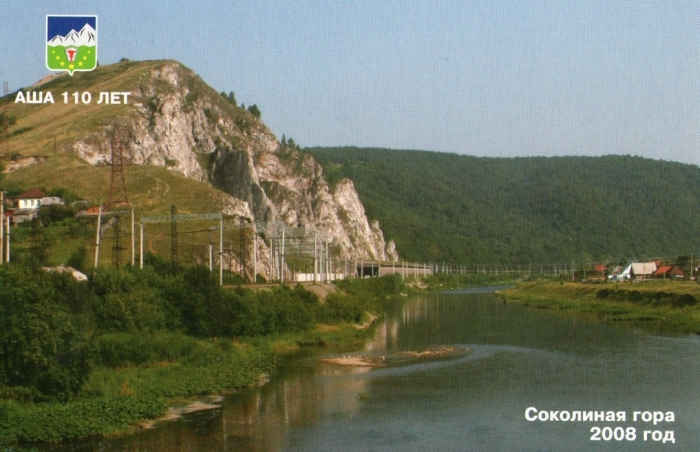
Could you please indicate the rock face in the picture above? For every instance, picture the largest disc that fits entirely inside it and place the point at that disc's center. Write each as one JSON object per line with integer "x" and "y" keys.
{"x": 177, "y": 121}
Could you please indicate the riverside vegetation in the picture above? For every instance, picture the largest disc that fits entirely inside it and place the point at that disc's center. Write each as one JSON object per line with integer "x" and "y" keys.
{"x": 667, "y": 305}
{"x": 97, "y": 357}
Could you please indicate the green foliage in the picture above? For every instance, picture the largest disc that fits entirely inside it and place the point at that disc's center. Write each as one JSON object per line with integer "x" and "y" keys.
{"x": 456, "y": 208}
{"x": 211, "y": 115}
{"x": 444, "y": 281}
{"x": 372, "y": 287}
{"x": 342, "y": 307}
{"x": 359, "y": 296}
{"x": 255, "y": 111}
{"x": 231, "y": 97}
{"x": 54, "y": 330}
{"x": 78, "y": 260}
{"x": 54, "y": 213}
{"x": 136, "y": 349}
{"x": 43, "y": 344}
{"x": 664, "y": 305}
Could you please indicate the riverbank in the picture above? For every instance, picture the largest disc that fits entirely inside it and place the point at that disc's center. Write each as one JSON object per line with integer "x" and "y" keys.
{"x": 441, "y": 282}
{"x": 209, "y": 341}
{"x": 668, "y": 305}
{"x": 117, "y": 401}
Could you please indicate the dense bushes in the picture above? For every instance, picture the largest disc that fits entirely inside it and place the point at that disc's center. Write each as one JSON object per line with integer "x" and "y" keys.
{"x": 54, "y": 330}
{"x": 43, "y": 344}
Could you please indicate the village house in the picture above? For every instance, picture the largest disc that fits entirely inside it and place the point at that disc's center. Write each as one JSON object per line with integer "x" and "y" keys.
{"x": 642, "y": 270}
{"x": 635, "y": 270}
{"x": 29, "y": 202}
{"x": 662, "y": 271}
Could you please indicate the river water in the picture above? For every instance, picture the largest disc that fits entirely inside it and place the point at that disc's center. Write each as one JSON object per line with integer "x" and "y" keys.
{"x": 519, "y": 358}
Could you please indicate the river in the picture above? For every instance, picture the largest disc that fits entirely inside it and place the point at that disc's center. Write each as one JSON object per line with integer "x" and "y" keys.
{"x": 519, "y": 358}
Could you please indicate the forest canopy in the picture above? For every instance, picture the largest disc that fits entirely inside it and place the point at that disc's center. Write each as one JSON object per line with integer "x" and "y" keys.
{"x": 464, "y": 209}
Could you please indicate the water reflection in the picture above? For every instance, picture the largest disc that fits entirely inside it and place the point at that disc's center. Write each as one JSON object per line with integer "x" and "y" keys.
{"x": 519, "y": 358}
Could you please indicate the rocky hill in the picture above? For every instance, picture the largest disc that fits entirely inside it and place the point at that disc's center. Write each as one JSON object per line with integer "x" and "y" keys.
{"x": 174, "y": 120}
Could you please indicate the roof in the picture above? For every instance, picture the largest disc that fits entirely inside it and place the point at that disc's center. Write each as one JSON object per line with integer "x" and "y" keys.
{"x": 34, "y": 193}
{"x": 677, "y": 272}
{"x": 600, "y": 267}
{"x": 90, "y": 211}
{"x": 643, "y": 268}
{"x": 662, "y": 270}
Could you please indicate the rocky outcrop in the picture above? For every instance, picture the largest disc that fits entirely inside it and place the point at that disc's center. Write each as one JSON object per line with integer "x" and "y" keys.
{"x": 179, "y": 122}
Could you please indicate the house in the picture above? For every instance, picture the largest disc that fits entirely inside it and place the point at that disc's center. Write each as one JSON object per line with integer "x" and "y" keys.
{"x": 600, "y": 268}
{"x": 30, "y": 200}
{"x": 642, "y": 270}
{"x": 676, "y": 273}
{"x": 635, "y": 270}
{"x": 51, "y": 200}
{"x": 662, "y": 271}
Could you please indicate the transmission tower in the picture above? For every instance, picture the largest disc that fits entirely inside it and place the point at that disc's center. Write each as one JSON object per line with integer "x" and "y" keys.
{"x": 118, "y": 195}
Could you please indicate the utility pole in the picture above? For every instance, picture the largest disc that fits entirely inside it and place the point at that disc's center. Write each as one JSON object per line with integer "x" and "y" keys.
{"x": 7, "y": 249}
{"x": 211, "y": 253}
{"x": 282, "y": 263}
{"x": 97, "y": 240}
{"x": 221, "y": 250}
{"x": 141, "y": 247}
{"x": 133, "y": 239}
{"x": 315, "y": 258}
{"x": 255, "y": 257}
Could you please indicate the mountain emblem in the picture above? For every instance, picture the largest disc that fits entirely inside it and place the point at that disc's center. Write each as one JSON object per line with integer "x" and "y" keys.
{"x": 71, "y": 43}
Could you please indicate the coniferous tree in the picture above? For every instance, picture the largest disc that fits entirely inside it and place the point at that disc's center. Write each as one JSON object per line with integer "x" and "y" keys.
{"x": 255, "y": 110}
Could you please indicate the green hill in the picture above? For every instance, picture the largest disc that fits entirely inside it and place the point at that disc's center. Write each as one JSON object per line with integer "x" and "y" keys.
{"x": 464, "y": 209}
{"x": 47, "y": 131}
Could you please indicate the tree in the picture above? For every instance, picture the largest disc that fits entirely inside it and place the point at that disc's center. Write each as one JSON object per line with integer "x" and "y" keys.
{"x": 232, "y": 98}
{"x": 42, "y": 346}
{"x": 255, "y": 110}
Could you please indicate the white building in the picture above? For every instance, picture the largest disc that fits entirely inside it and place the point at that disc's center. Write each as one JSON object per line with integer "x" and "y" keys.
{"x": 30, "y": 200}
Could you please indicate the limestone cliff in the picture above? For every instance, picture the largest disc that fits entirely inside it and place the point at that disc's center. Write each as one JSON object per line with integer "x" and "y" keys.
{"x": 177, "y": 121}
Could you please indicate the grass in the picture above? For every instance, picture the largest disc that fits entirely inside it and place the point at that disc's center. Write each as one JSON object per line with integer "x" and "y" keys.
{"x": 115, "y": 399}
{"x": 153, "y": 189}
{"x": 657, "y": 304}
{"x": 50, "y": 130}
{"x": 173, "y": 370}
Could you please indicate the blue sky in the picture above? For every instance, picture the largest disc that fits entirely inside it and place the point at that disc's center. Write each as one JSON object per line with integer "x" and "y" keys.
{"x": 480, "y": 78}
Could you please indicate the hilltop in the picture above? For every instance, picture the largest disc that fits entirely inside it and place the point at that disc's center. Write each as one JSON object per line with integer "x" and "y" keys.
{"x": 464, "y": 209}
{"x": 186, "y": 145}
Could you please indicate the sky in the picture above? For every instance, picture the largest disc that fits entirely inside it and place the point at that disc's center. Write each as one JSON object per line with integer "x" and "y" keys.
{"x": 500, "y": 79}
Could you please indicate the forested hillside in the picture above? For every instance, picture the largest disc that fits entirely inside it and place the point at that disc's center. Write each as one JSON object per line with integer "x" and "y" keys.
{"x": 463, "y": 209}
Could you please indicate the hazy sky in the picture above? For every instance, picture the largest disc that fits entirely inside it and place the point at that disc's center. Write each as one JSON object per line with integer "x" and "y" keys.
{"x": 481, "y": 78}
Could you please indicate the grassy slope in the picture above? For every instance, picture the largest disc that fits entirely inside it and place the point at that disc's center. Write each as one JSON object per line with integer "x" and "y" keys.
{"x": 664, "y": 304}
{"x": 44, "y": 130}
{"x": 51, "y": 127}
